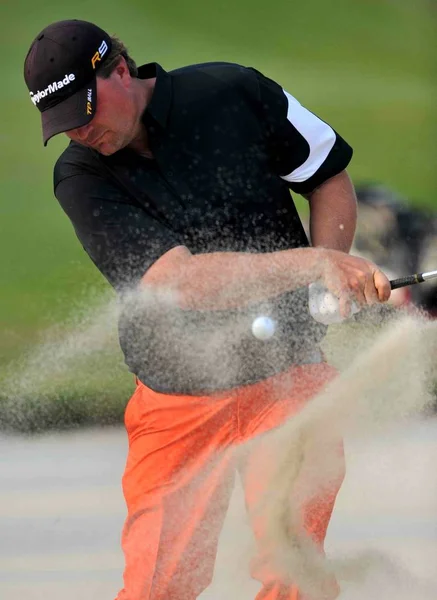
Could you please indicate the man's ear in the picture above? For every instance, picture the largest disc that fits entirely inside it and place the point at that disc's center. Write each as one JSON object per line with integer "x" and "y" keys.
{"x": 122, "y": 70}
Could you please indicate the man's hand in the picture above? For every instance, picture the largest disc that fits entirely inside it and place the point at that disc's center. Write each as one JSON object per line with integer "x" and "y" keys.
{"x": 352, "y": 278}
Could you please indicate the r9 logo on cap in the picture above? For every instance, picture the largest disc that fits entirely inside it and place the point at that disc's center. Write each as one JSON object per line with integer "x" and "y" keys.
{"x": 103, "y": 48}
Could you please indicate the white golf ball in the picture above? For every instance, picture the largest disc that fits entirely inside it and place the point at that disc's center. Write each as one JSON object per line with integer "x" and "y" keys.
{"x": 263, "y": 328}
{"x": 330, "y": 305}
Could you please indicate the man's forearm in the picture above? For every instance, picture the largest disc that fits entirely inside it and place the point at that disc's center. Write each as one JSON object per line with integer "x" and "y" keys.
{"x": 333, "y": 213}
{"x": 222, "y": 280}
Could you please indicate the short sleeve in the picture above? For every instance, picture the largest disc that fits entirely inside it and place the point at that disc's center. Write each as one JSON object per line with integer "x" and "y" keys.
{"x": 121, "y": 238}
{"x": 304, "y": 150}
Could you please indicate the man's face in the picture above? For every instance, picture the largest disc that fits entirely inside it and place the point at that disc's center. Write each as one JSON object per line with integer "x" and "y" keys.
{"x": 115, "y": 122}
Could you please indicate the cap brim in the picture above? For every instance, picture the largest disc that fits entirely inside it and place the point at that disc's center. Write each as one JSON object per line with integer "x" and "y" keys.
{"x": 73, "y": 112}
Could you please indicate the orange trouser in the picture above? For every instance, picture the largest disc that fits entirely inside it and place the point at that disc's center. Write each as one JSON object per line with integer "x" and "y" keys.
{"x": 180, "y": 473}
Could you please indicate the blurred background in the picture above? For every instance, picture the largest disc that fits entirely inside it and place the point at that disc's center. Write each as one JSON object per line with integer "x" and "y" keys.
{"x": 367, "y": 67}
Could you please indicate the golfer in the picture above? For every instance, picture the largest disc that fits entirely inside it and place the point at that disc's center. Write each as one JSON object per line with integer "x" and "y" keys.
{"x": 179, "y": 182}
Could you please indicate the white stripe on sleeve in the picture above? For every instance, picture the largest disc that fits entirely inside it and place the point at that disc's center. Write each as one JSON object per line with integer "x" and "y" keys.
{"x": 319, "y": 135}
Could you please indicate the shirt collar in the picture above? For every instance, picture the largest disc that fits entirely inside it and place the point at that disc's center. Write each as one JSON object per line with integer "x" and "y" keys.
{"x": 159, "y": 106}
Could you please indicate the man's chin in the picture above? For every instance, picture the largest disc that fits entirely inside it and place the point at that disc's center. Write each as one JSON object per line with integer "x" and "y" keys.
{"x": 108, "y": 148}
{"x": 106, "y": 151}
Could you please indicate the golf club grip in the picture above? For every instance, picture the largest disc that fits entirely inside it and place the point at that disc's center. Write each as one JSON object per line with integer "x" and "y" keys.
{"x": 404, "y": 281}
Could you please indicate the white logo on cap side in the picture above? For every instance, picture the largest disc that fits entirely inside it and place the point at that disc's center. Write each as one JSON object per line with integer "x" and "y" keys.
{"x": 51, "y": 88}
{"x": 103, "y": 48}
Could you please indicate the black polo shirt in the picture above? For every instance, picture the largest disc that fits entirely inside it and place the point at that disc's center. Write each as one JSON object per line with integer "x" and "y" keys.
{"x": 228, "y": 145}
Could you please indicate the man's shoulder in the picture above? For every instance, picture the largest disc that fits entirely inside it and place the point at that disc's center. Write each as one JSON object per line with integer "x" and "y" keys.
{"x": 217, "y": 68}
{"x": 74, "y": 160}
{"x": 226, "y": 73}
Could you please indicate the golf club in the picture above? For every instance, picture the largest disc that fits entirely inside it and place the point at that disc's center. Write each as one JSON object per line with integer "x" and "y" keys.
{"x": 412, "y": 279}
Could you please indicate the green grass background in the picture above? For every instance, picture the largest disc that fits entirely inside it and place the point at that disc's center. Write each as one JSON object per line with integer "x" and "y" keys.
{"x": 365, "y": 66}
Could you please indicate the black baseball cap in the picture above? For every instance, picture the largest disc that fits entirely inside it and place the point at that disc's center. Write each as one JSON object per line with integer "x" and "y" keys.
{"x": 60, "y": 71}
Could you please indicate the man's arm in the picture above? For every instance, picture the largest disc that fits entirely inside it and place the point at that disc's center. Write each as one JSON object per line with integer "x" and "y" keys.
{"x": 222, "y": 280}
{"x": 312, "y": 158}
{"x": 333, "y": 213}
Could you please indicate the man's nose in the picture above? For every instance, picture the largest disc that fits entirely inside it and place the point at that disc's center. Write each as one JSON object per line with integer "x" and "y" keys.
{"x": 83, "y": 132}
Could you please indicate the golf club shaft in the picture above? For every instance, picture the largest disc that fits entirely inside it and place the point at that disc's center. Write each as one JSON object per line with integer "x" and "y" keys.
{"x": 412, "y": 279}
